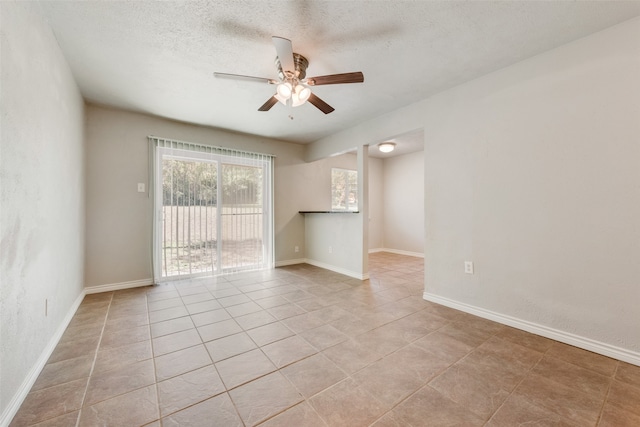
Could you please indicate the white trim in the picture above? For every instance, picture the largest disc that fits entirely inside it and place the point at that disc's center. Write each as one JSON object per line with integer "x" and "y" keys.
{"x": 25, "y": 387}
{"x": 164, "y": 148}
{"x": 117, "y": 286}
{"x": 286, "y": 262}
{"x": 323, "y": 265}
{"x": 535, "y": 328}
{"x": 344, "y": 271}
{"x": 398, "y": 251}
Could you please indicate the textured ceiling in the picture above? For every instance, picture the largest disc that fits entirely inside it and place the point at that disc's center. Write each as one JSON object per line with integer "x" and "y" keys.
{"x": 159, "y": 57}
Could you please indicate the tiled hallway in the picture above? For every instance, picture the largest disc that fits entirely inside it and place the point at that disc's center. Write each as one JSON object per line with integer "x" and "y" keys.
{"x": 302, "y": 346}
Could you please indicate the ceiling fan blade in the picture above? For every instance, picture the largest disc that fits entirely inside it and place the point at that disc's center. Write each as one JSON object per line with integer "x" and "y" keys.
{"x": 333, "y": 79}
{"x": 284, "y": 49}
{"x": 270, "y": 103}
{"x": 320, "y": 104}
{"x": 241, "y": 77}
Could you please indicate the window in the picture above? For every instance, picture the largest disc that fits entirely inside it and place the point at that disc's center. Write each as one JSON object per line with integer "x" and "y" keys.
{"x": 213, "y": 210}
{"x": 344, "y": 190}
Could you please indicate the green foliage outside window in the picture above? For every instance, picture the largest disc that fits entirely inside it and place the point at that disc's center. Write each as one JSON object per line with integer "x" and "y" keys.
{"x": 344, "y": 190}
{"x": 193, "y": 183}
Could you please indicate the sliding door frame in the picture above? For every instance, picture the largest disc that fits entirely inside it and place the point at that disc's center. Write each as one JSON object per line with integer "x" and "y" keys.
{"x": 162, "y": 149}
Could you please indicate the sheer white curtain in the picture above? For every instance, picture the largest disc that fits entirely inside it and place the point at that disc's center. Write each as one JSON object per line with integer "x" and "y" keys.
{"x": 213, "y": 209}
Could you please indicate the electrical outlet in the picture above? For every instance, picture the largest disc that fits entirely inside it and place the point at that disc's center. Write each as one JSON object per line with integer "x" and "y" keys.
{"x": 296, "y": 249}
{"x": 330, "y": 250}
{"x": 141, "y": 187}
{"x": 468, "y": 267}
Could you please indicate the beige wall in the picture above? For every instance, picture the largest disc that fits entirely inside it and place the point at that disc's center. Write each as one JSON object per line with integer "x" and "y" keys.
{"x": 119, "y": 223}
{"x": 318, "y": 175}
{"x": 532, "y": 173}
{"x": 118, "y": 238}
{"x": 41, "y": 199}
{"x": 541, "y": 189}
{"x": 377, "y": 203}
{"x": 395, "y": 217}
{"x": 334, "y": 241}
{"x": 404, "y": 203}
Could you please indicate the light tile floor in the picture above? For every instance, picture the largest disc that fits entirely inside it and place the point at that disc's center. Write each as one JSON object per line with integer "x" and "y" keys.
{"x": 302, "y": 346}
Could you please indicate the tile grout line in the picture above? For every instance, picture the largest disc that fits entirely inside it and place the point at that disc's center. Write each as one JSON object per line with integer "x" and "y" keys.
{"x": 153, "y": 358}
{"x": 212, "y": 363}
{"x": 415, "y": 391}
{"x": 277, "y": 369}
{"x": 524, "y": 377}
{"x": 95, "y": 358}
{"x": 606, "y": 395}
{"x": 305, "y": 400}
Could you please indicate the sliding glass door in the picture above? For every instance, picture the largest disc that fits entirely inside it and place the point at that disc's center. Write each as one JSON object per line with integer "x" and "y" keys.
{"x": 213, "y": 213}
{"x": 189, "y": 207}
{"x": 241, "y": 216}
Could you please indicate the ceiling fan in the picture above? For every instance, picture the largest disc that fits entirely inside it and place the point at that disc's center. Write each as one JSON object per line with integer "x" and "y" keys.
{"x": 292, "y": 86}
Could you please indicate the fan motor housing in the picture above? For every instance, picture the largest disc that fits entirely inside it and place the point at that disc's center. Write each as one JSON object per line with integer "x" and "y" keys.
{"x": 301, "y": 63}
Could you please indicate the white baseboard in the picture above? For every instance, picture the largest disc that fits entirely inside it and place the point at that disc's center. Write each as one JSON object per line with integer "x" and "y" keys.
{"x": 340, "y": 270}
{"x": 343, "y": 270}
{"x": 25, "y": 387}
{"x": 117, "y": 286}
{"x": 554, "y": 334}
{"x": 397, "y": 251}
{"x": 286, "y": 262}
{"x": 323, "y": 265}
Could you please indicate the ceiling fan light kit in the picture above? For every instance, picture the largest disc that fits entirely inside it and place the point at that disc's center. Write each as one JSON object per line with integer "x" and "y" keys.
{"x": 292, "y": 88}
{"x": 387, "y": 147}
{"x": 298, "y": 94}
{"x": 284, "y": 90}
